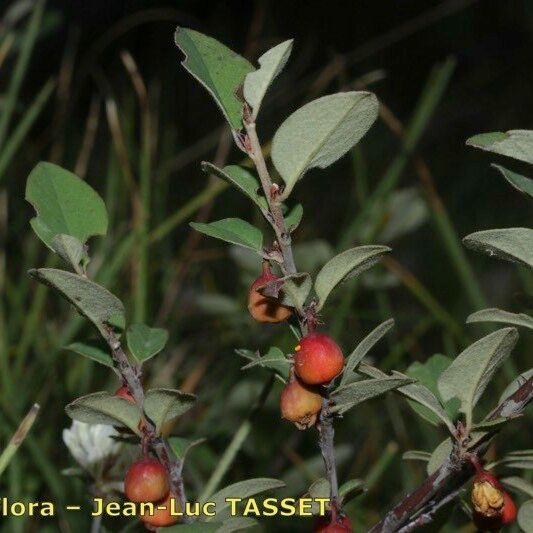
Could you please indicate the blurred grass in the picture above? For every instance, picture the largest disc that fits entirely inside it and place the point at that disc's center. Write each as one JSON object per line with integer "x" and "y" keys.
{"x": 137, "y": 132}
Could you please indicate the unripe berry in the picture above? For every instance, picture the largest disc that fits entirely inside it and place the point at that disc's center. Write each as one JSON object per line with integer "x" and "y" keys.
{"x": 325, "y": 525}
{"x": 300, "y": 404}
{"x": 124, "y": 393}
{"x": 318, "y": 359}
{"x": 263, "y": 308}
{"x": 162, "y": 517}
{"x": 146, "y": 481}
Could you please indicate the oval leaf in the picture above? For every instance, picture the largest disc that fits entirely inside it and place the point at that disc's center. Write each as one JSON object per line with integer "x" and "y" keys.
{"x": 220, "y": 70}
{"x": 65, "y": 204}
{"x": 470, "y": 372}
{"x": 90, "y": 299}
{"x": 145, "y": 342}
{"x": 71, "y": 250}
{"x": 439, "y": 455}
{"x": 346, "y": 264}
{"x": 105, "y": 408}
{"x": 518, "y": 485}
{"x": 355, "y": 393}
{"x": 233, "y": 230}
{"x": 519, "y": 182}
{"x": 291, "y": 290}
{"x": 271, "y": 64}
{"x": 510, "y": 244}
{"x": 321, "y": 132}
{"x": 498, "y": 315}
{"x": 95, "y": 351}
{"x": 161, "y": 405}
{"x": 363, "y": 348}
{"x": 517, "y": 144}
{"x": 240, "y": 178}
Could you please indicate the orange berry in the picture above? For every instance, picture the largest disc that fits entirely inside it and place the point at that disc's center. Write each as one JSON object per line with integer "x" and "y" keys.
{"x": 162, "y": 515}
{"x": 318, "y": 359}
{"x": 300, "y": 404}
{"x": 264, "y": 308}
{"x": 146, "y": 481}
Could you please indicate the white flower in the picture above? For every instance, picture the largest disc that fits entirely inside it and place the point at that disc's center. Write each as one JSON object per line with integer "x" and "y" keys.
{"x": 90, "y": 444}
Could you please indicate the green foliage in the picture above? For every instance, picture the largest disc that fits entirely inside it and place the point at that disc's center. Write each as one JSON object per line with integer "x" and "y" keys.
{"x": 220, "y": 70}
{"x": 64, "y": 205}
{"x": 321, "y": 132}
{"x": 291, "y": 290}
{"x": 347, "y": 264}
{"x": 362, "y": 349}
{"x": 105, "y": 408}
{"x": 517, "y": 144}
{"x": 511, "y": 244}
{"x": 525, "y": 516}
{"x": 91, "y": 300}
{"x": 163, "y": 405}
{"x": 519, "y": 182}
{"x": 234, "y": 231}
{"x": 470, "y": 372}
{"x": 271, "y": 64}
{"x": 145, "y": 342}
{"x": 96, "y": 351}
{"x": 498, "y": 315}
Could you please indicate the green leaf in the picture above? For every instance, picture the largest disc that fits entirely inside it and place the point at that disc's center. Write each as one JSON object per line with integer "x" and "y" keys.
{"x": 65, "y": 204}
{"x": 233, "y": 230}
{"x": 349, "y": 396}
{"x": 90, "y": 299}
{"x": 97, "y": 351}
{"x": 274, "y": 360}
{"x": 498, "y": 315}
{"x": 519, "y": 182}
{"x": 145, "y": 342}
{"x": 321, "y": 132}
{"x": 515, "y": 385}
{"x": 363, "y": 348}
{"x": 427, "y": 374}
{"x": 517, "y": 144}
{"x": 243, "y": 489}
{"x": 486, "y": 425}
{"x": 220, "y": 70}
{"x": 240, "y": 178}
{"x": 518, "y": 484}
{"x": 105, "y": 408}
{"x": 294, "y": 217}
{"x": 71, "y": 250}
{"x": 347, "y": 264}
{"x": 469, "y": 374}
{"x": 416, "y": 455}
{"x": 291, "y": 290}
{"x": 525, "y": 516}
{"x": 439, "y": 455}
{"x": 510, "y": 244}
{"x": 181, "y": 447}
{"x": 319, "y": 488}
{"x": 416, "y": 392}
{"x": 352, "y": 488}
{"x": 162, "y": 405}
{"x": 271, "y": 64}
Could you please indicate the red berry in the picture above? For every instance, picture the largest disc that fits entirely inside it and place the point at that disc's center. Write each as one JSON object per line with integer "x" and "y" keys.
{"x": 318, "y": 359}
{"x": 300, "y": 404}
{"x": 123, "y": 392}
{"x": 263, "y": 308}
{"x": 146, "y": 481}
{"x": 509, "y": 509}
{"x": 325, "y": 525}
{"x": 162, "y": 517}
